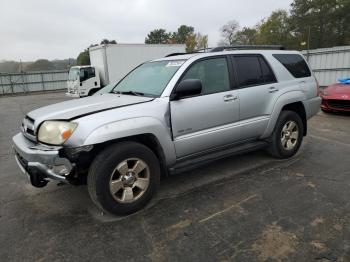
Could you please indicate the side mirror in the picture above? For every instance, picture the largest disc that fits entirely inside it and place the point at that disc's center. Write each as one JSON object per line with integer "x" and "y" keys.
{"x": 185, "y": 88}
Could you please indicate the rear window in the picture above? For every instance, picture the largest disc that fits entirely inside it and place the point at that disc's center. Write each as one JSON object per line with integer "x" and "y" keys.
{"x": 295, "y": 64}
{"x": 253, "y": 70}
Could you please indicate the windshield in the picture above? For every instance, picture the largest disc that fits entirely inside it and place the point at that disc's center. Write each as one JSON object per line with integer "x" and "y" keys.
{"x": 149, "y": 78}
{"x": 73, "y": 73}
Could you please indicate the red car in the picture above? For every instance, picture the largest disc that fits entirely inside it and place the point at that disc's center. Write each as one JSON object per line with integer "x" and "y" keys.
{"x": 336, "y": 98}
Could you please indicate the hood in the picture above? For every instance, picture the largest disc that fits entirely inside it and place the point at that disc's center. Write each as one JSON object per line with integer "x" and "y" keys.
{"x": 84, "y": 106}
{"x": 338, "y": 89}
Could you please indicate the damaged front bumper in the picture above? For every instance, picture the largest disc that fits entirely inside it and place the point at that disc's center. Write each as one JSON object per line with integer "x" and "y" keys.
{"x": 40, "y": 162}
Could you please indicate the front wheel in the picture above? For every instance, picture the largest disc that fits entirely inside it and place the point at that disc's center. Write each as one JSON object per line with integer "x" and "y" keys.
{"x": 123, "y": 178}
{"x": 287, "y": 136}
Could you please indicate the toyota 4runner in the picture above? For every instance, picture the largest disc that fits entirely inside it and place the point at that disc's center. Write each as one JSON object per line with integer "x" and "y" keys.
{"x": 166, "y": 116}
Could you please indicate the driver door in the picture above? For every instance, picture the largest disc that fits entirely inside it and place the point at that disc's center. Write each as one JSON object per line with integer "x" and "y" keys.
{"x": 208, "y": 120}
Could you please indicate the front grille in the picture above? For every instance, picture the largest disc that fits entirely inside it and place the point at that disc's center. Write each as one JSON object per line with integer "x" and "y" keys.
{"x": 339, "y": 104}
{"x": 28, "y": 128}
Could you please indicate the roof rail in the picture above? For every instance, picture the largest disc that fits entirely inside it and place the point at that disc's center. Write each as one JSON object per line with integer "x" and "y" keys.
{"x": 175, "y": 54}
{"x": 247, "y": 47}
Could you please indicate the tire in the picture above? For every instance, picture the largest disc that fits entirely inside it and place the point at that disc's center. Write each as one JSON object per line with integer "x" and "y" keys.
{"x": 279, "y": 146}
{"x": 113, "y": 168}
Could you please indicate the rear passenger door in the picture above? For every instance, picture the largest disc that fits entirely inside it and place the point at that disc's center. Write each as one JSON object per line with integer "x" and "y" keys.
{"x": 258, "y": 91}
{"x": 210, "y": 119}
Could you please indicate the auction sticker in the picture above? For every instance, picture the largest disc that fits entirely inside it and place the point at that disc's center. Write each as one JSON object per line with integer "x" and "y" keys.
{"x": 175, "y": 63}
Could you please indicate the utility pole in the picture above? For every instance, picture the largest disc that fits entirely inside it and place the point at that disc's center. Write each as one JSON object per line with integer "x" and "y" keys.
{"x": 308, "y": 43}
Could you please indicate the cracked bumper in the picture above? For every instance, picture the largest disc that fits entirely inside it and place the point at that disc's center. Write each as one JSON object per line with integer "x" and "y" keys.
{"x": 39, "y": 162}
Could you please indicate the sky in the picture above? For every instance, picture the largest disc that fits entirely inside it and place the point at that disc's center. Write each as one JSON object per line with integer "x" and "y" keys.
{"x": 58, "y": 29}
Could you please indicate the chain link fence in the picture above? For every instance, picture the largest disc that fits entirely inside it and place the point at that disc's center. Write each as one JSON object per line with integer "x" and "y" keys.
{"x": 17, "y": 83}
{"x": 329, "y": 64}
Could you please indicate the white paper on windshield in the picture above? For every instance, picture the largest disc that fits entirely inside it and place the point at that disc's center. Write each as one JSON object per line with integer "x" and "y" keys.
{"x": 175, "y": 63}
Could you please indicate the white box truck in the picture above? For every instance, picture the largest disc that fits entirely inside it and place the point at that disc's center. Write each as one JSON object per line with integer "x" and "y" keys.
{"x": 110, "y": 63}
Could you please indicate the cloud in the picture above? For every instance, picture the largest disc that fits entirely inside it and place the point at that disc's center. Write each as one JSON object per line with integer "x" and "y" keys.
{"x": 35, "y": 29}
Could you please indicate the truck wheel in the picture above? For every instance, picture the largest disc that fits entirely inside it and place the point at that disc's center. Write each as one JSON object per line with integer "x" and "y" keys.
{"x": 123, "y": 178}
{"x": 287, "y": 136}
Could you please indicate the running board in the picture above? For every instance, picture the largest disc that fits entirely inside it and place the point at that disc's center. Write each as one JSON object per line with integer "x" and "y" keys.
{"x": 189, "y": 163}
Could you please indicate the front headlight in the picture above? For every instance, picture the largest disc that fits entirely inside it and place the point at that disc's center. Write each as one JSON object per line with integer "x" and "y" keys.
{"x": 56, "y": 132}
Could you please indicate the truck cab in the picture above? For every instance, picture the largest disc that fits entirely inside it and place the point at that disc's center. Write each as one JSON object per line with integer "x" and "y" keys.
{"x": 82, "y": 81}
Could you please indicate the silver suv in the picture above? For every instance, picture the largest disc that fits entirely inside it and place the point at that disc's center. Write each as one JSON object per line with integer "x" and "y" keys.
{"x": 166, "y": 116}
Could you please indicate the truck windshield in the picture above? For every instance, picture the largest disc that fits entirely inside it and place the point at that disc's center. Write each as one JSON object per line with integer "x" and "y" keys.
{"x": 73, "y": 73}
{"x": 149, "y": 79}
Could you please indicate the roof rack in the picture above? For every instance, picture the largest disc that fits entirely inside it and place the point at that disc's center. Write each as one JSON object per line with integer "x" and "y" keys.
{"x": 175, "y": 54}
{"x": 234, "y": 47}
{"x": 247, "y": 47}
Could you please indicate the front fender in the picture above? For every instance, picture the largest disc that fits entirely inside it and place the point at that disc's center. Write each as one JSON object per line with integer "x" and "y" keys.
{"x": 135, "y": 126}
{"x": 282, "y": 100}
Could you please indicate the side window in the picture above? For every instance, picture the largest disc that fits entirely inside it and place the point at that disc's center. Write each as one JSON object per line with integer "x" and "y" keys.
{"x": 267, "y": 73}
{"x": 295, "y": 64}
{"x": 213, "y": 73}
{"x": 90, "y": 72}
{"x": 248, "y": 71}
{"x": 86, "y": 73}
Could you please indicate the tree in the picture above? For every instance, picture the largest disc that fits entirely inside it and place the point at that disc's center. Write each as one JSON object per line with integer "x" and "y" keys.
{"x": 191, "y": 43}
{"x": 247, "y": 36}
{"x": 40, "y": 65}
{"x": 276, "y": 30}
{"x": 328, "y": 21}
{"x": 229, "y": 32}
{"x": 201, "y": 41}
{"x": 83, "y": 58}
{"x": 183, "y": 32}
{"x": 158, "y": 36}
{"x": 106, "y": 42}
{"x": 9, "y": 67}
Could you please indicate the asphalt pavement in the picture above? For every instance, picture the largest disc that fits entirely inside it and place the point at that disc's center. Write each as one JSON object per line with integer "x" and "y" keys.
{"x": 244, "y": 208}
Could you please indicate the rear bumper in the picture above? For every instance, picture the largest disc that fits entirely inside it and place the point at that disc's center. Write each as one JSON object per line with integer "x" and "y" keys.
{"x": 312, "y": 106}
{"x": 40, "y": 162}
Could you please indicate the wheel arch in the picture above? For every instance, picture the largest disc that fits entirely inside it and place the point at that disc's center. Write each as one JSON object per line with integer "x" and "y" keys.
{"x": 147, "y": 139}
{"x": 288, "y": 101}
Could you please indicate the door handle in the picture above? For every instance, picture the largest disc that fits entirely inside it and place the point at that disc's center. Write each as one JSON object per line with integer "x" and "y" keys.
{"x": 273, "y": 89}
{"x": 228, "y": 98}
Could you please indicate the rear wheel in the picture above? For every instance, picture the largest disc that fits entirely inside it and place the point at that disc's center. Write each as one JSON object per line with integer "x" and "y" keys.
{"x": 123, "y": 178}
{"x": 287, "y": 136}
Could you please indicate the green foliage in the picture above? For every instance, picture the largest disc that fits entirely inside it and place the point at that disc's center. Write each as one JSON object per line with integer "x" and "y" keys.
{"x": 201, "y": 41}
{"x": 184, "y": 35}
{"x": 276, "y": 30}
{"x": 247, "y": 36}
{"x": 41, "y": 65}
{"x": 191, "y": 43}
{"x": 158, "y": 36}
{"x": 326, "y": 20}
{"x": 183, "y": 32}
{"x": 83, "y": 58}
{"x": 9, "y": 67}
{"x": 106, "y": 42}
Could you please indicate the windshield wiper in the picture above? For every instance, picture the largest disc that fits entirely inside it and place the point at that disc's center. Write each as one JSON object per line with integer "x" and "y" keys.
{"x": 134, "y": 93}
